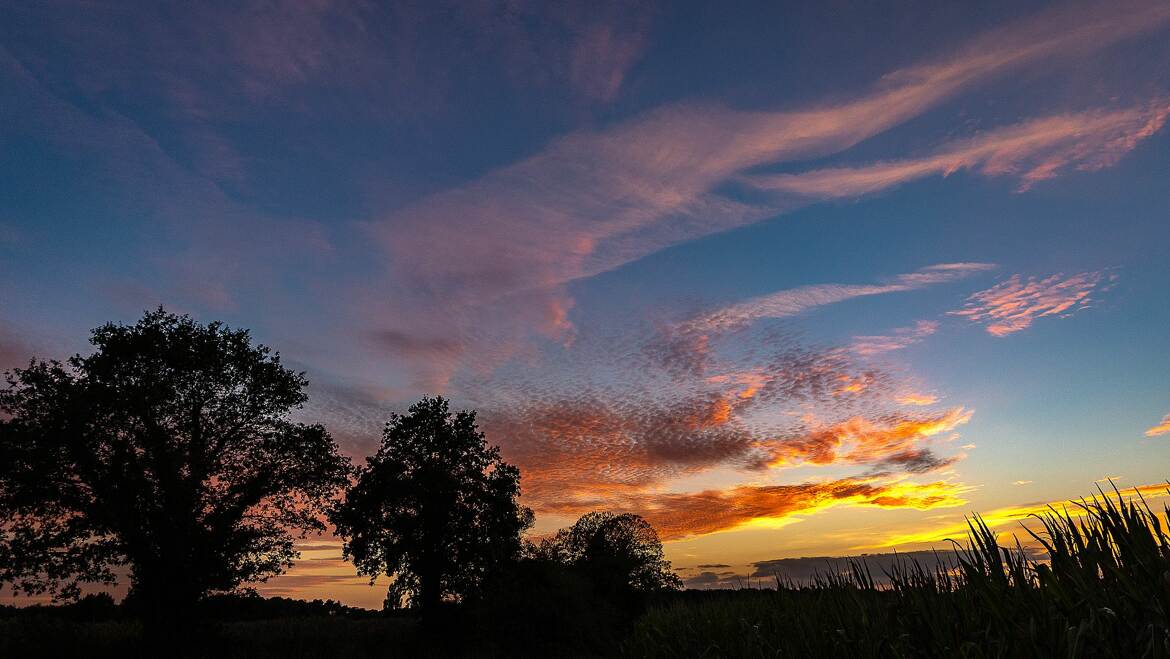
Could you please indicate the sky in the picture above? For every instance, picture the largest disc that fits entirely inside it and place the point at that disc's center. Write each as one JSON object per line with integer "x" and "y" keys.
{"x": 787, "y": 279}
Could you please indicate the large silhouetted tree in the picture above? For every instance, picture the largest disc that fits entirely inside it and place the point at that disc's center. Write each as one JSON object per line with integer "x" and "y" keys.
{"x": 435, "y": 508}
{"x": 168, "y": 453}
{"x": 616, "y": 551}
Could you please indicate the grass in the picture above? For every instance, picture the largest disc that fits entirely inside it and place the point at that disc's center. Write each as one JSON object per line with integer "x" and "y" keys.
{"x": 1103, "y": 590}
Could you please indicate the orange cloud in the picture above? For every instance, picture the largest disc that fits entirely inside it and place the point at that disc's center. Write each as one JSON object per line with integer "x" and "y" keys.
{"x": 853, "y": 385}
{"x": 1014, "y": 304}
{"x": 894, "y": 440}
{"x": 917, "y": 399}
{"x": 593, "y": 446}
{"x": 589, "y": 447}
{"x": 678, "y": 516}
{"x": 1160, "y": 429}
{"x": 751, "y": 382}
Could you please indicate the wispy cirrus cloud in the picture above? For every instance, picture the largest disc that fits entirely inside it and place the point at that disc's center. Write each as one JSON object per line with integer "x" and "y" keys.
{"x": 1031, "y": 151}
{"x": 595, "y": 200}
{"x": 792, "y": 302}
{"x": 1013, "y": 305}
{"x": 551, "y": 214}
{"x": 688, "y": 345}
{"x": 1162, "y": 428}
{"x": 901, "y": 337}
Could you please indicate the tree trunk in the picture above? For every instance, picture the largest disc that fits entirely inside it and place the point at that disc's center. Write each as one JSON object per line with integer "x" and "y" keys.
{"x": 432, "y": 593}
{"x": 166, "y": 603}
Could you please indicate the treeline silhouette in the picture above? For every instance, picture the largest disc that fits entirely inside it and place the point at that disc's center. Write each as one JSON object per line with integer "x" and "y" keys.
{"x": 170, "y": 456}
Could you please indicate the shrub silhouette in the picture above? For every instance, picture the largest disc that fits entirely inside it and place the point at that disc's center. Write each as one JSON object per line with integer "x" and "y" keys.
{"x": 167, "y": 451}
{"x": 580, "y": 588}
{"x": 435, "y": 508}
{"x": 618, "y": 551}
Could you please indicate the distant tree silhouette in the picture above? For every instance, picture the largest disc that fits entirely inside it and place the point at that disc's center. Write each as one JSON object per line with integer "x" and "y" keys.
{"x": 435, "y": 508}
{"x": 617, "y": 551}
{"x": 168, "y": 451}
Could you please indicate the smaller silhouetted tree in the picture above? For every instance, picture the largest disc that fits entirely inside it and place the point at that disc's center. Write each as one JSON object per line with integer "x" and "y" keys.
{"x": 168, "y": 452}
{"x": 617, "y": 551}
{"x": 435, "y": 508}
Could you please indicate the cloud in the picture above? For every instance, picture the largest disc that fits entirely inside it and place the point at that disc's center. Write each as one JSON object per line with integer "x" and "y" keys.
{"x": 217, "y": 62}
{"x": 806, "y": 569}
{"x": 916, "y": 399}
{"x": 956, "y": 527}
{"x": 14, "y": 352}
{"x": 1161, "y": 429}
{"x": 581, "y": 445}
{"x": 407, "y": 345}
{"x": 226, "y": 246}
{"x": 792, "y": 302}
{"x": 1013, "y": 305}
{"x": 592, "y": 445}
{"x": 319, "y": 546}
{"x": 679, "y": 515}
{"x": 595, "y": 200}
{"x": 687, "y": 346}
{"x": 544, "y": 220}
{"x": 902, "y": 337}
{"x": 892, "y": 440}
{"x": 604, "y": 52}
{"x": 600, "y": 452}
{"x": 1032, "y": 151}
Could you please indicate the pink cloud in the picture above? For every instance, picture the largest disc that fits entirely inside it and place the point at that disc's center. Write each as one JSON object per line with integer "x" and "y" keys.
{"x": 795, "y": 301}
{"x": 901, "y": 337}
{"x": 1032, "y": 151}
{"x": 603, "y": 54}
{"x": 594, "y": 200}
{"x": 1014, "y": 304}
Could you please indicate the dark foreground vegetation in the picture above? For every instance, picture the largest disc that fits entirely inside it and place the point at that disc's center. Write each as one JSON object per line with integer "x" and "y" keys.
{"x": 170, "y": 459}
{"x": 1103, "y": 590}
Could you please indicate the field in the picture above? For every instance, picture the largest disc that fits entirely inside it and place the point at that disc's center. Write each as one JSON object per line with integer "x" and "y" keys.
{"x": 1101, "y": 590}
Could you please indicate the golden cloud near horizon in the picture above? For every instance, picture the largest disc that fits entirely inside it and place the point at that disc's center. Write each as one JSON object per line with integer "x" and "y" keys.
{"x": 1020, "y": 514}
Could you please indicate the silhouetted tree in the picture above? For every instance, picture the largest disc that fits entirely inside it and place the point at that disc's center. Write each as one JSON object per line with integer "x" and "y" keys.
{"x": 617, "y": 551}
{"x": 168, "y": 451}
{"x": 435, "y": 508}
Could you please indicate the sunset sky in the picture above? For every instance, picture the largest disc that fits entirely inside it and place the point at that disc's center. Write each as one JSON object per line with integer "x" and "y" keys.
{"x": 787, "y": 281}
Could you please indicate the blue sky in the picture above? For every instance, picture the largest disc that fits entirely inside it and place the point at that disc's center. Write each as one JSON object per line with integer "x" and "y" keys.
{"x": 782, "y": 279}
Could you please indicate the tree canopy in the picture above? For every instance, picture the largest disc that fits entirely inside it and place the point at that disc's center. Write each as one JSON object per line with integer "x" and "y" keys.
{"x": 435, "y": 508}
{"x": 168, "y": 453}
{"x": 617, "y": 550}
